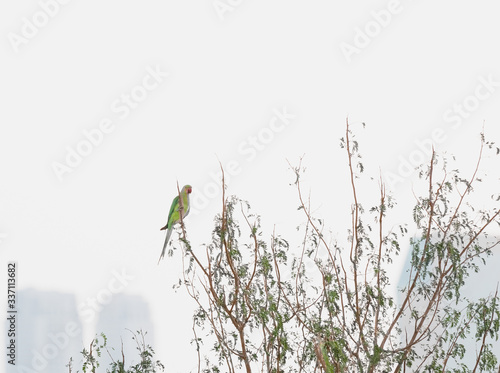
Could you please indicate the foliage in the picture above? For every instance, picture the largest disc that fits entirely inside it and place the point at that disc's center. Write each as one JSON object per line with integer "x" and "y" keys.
{"x": 99, "y": 344}
{"x": 265, "y": 306}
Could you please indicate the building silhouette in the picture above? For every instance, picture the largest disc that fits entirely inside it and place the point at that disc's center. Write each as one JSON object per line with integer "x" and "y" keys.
{"x": 119, "y": 320}
{"x": 48, "y": 331}
{"x": 481, "y": 284}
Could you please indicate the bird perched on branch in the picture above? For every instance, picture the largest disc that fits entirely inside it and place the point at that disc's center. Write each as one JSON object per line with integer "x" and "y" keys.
{"x": 178, "y": 207}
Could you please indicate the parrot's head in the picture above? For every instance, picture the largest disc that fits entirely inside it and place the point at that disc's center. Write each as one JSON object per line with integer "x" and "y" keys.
{"x": 188, "y": 189}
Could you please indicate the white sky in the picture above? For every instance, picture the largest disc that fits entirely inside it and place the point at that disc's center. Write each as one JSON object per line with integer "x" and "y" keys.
{"x": 228, "y": 74}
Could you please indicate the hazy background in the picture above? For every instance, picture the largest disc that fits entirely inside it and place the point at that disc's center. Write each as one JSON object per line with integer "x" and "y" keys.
{"x": 250, "y": 83}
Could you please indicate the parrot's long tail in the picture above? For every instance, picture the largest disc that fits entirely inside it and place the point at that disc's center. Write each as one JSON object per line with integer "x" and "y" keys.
{"x": 169, "y": 233}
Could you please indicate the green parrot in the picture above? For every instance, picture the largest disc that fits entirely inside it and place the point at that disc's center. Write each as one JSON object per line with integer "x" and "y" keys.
{"x": 174, "y": 215}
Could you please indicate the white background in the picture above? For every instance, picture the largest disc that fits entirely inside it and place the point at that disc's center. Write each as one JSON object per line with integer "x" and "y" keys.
{"x": 229, "y": 70}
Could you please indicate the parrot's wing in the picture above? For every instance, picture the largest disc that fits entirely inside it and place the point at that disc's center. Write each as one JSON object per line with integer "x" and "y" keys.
{"x": 173, "y": 208}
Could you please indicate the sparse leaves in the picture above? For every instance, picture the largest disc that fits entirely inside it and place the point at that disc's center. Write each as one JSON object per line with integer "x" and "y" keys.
{"x": 146, "y": 363}
{"x": 270, "y": 305}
